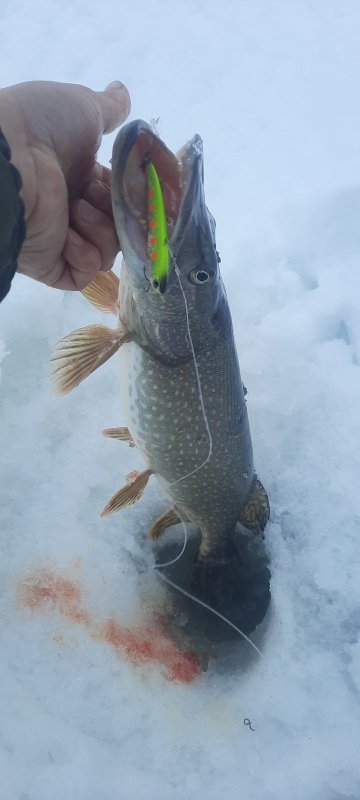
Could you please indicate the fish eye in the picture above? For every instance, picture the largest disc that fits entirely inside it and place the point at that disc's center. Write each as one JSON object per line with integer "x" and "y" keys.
{"x": 199, "y": 276}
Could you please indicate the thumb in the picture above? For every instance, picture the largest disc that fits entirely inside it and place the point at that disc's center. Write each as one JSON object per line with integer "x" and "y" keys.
{"x": 115, "y": 105}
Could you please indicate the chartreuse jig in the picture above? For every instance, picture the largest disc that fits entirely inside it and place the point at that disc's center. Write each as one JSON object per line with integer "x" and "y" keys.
{"x": 157, "y": 240}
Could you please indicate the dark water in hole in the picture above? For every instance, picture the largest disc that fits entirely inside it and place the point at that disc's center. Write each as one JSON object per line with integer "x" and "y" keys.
{"x": 239, "y": 590}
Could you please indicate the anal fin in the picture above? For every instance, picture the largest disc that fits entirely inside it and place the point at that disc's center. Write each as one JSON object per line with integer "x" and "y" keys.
{"x": 123, "y": 434}
{"x": 83, "y": 351}
{"x": 103, "y": 292}
{"x": 170, "y": 517}
{"x": 256, "y": 511}
{"x": 128, "y": 495}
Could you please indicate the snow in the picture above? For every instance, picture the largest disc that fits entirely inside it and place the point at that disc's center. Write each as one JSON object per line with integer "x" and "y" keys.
{"x": 272, "y": 87}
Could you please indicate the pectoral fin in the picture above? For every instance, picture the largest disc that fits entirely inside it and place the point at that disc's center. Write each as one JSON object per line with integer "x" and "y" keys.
{"x": 123, "y": 434}
{"x": 103, "y": 292}
{"x": 128, "y": 495}
{"x": 170, "y": 517}
{"x": 255, "y": 513}
{"x": 81, "y": 352}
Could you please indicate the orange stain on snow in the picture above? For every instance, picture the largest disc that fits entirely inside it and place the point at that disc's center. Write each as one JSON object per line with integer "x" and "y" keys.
{"x": 45, "y": 588}
{"x": 150, "y": 645}
{"x": 147, "y": 644}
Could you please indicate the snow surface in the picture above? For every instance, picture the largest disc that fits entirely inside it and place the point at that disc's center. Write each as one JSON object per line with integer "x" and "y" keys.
{"x": 273, "y": 88}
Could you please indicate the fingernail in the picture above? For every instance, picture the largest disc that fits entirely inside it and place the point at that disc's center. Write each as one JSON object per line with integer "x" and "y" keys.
{"x": 115, "y": 85}
{"x": 87, "y": 212}
{"x": 120, "y": 87}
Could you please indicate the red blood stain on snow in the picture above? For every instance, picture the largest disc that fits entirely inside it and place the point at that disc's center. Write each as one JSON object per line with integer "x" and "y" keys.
{"x": 44, "y": 589}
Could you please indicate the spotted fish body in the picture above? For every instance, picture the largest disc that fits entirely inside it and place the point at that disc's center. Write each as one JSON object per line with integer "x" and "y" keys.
{"x": 167, "y": 425}
{"x": 180, "y": 375}
{"x": 165, "y": 416}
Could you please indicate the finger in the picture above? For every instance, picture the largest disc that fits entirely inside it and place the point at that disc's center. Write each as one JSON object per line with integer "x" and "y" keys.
{"x": 80, "y": 262}
{"x": 100, "y": 173}
{"x": 99, "y": 195}
{"x": 115, "y": 105}
{"x": 96, "y": 227}
{"x": 71, "y": 279}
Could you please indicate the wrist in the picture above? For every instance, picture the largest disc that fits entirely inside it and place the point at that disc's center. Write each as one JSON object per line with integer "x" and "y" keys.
{"x": 13, "y": 128}
{"x": 12, "y": 223}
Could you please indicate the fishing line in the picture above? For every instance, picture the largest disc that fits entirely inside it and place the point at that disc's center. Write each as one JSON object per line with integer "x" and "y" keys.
{"x": 174, "y": 560}
{"x": 213, "y": 610}
{"x": 201, "y": 397}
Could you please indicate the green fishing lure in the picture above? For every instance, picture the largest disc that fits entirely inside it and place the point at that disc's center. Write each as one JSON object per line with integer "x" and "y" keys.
{"x": 157, "y": 240}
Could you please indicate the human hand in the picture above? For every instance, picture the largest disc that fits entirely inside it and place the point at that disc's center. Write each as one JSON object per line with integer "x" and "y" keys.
{"x": 54, "y": 131}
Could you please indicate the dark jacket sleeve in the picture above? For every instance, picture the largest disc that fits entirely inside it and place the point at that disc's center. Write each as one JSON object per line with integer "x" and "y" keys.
{"x": 12, "y": 223}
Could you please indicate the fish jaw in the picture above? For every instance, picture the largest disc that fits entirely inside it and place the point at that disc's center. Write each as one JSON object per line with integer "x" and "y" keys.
{"x": 194, "y": 272}
{"x": 135, "y": 145}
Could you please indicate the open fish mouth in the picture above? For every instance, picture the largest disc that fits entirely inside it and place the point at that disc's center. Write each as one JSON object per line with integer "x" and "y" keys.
{"x": 181, "y": 180}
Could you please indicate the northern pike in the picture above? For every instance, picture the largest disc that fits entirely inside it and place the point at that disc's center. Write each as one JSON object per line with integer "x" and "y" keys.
{"x": 186, "y": 404}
